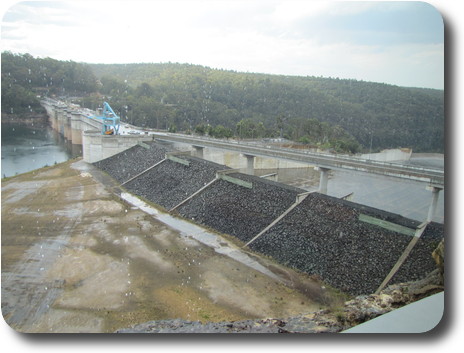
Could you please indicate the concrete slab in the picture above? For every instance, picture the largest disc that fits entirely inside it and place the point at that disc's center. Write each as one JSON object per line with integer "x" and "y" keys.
{"x": 77, "y": 258}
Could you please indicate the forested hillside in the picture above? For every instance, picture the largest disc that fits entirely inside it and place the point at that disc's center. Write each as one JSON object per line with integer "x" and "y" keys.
{"x": 309, "y": 109}
{"x": 345, "y": 115}
{"x": 24, "y": 78}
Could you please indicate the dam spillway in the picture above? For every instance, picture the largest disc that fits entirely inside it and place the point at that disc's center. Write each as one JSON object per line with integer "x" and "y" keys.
{"x": 350, "y": 246}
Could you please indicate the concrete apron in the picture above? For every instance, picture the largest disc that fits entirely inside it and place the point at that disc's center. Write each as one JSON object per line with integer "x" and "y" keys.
{"x": 77, "y": 258}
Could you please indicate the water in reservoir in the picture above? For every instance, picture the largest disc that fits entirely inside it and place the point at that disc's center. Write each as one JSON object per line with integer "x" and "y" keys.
{"x": 25, "y": 148}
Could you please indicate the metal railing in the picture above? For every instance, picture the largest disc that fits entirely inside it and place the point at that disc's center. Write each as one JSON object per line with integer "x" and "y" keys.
{"x": 430, "y": 175}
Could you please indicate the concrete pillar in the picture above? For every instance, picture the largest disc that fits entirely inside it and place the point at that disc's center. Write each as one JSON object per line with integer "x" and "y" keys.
{"x": 250, "y": 164}
{"x": 67, "y": 125}
{"x": 433, "y": 205}
{"x": 198, "y": 151}
{"x": 323, "y": 180}
{"x": 61, "y": 115}
{"x": 76, "y": 132}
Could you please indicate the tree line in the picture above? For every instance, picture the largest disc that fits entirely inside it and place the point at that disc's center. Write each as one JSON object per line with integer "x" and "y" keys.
{"x": 25, "y": 79}
{"x": 344, "y": 115}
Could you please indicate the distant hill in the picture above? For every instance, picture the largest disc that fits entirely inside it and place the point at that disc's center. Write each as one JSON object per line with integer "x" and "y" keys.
{"x": 344, "y": 115}
{"x": 377, "y": 115}
{"x": 24, "y": 78}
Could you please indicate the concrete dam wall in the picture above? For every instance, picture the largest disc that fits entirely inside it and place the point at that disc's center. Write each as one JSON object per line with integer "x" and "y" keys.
{"x": 351, "y": 246}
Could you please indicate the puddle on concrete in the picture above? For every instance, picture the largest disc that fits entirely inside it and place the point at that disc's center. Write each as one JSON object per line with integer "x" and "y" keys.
{"x": 14, "y": 192}
{"x": 187, "y": 229}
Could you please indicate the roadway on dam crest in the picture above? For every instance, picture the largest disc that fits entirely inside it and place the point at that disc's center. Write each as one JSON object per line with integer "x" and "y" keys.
{"x": 78, "y": 258}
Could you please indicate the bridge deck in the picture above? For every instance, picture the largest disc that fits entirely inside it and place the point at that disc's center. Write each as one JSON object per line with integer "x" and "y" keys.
{"x": 433, "y": 176}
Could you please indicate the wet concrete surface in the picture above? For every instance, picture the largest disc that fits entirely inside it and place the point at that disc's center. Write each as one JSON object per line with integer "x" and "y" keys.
{"x": 78, "y": 258}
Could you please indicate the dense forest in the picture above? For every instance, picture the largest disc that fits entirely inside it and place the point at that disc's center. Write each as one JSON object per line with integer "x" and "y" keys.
{"x": 25, "y": 79}
{"x": 344, "y": 115}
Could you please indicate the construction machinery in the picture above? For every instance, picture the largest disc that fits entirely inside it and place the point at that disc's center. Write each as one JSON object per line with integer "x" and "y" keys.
{"x": 110, "y": 120}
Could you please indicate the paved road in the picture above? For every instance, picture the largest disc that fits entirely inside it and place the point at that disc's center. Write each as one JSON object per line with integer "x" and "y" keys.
{"x": 337, "y": 162}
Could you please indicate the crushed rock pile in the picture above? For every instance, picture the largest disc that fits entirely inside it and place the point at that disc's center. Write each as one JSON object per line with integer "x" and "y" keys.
{"x": 171, "y": 182}
{"x": 133, "y": 161}
{"x": 324, "y": 236}
{"x": 237, "y": 210}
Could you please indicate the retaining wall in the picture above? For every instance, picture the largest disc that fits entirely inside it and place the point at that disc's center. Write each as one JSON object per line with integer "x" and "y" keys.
{"x": 396, "y": 154}
{"x": 96, "y": 146}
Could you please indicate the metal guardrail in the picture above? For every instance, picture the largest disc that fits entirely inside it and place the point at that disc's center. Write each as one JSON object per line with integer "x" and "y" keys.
{"x": 433, "y": 176}
{"x": 430, "y": 175}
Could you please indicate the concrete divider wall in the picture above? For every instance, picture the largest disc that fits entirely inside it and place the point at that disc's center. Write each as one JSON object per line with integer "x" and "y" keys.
{"x": 127, "y": 164}
{"x": 96, "y": 146}
{"x": 237, "y": 210}
{"x": 236, "y": 160}
{"x": 323, "y": 235}
{"x": 396, "y": 154}
{"x": 171, "y": 182}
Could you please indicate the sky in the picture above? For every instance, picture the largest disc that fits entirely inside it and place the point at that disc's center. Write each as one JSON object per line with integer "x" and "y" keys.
{"x": 399, "y": 43}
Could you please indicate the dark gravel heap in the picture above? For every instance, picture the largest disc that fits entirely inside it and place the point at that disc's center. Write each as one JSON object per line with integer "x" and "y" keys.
{"x": 170, "y": 182}
{"x": 239, "y": 211}
{"x": 323, "y": 236}
{"x": 417, "y": 265}
{"x": 132, "y": 161}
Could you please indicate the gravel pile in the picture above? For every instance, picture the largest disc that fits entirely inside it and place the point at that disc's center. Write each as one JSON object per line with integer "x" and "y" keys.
{"x": 323, "y": 236}
{"x": 419, "y": 262}
{"x": 171, "y": 182}
{"x": 237, "y": 210}
{"x": 132, "y": 161}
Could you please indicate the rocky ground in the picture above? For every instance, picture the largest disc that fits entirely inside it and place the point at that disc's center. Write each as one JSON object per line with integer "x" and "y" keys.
{"x": 239, "y": 211}
{"x": 171, "y": 182}
{"x": 133, "y": 161}
{"x": 324, "y": 236}
{"x": 332, "y": 320}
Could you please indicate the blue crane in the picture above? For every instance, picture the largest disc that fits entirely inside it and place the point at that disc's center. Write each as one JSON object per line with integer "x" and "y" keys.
{"x": 109, "y": 119}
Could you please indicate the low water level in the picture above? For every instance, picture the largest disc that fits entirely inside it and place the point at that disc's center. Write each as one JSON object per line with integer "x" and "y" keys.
{"x": 25, "y": 148}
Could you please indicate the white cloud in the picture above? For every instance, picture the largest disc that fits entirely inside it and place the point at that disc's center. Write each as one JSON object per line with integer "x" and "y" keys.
{"x": 255, "y": 36}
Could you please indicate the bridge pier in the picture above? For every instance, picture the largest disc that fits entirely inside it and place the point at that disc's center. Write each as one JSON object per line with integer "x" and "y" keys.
{"x": 67, "y": 125}
{"x": 324, "y": 179}
{"x": 198, "y": 151}
{"x": 250, "y": 169}
{"x": 433, "y": 205}
{"x": 76, "y": 131}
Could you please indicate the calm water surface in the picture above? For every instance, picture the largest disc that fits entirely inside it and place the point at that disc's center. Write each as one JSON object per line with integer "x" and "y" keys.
{"x": 25, "y": 148}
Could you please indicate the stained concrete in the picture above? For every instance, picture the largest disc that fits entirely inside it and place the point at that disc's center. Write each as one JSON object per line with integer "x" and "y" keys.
{"x": 77, "y": 258}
